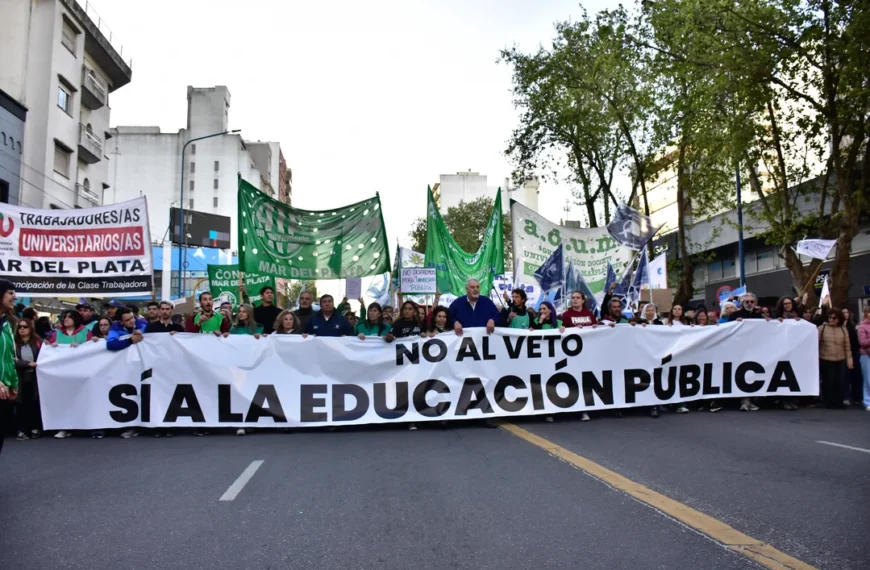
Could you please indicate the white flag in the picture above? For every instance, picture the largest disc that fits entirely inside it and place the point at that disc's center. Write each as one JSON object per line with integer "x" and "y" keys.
{"x": 658, "y": 272}
{"x": 815, "y": 248}
{"x": 826, "y": 293}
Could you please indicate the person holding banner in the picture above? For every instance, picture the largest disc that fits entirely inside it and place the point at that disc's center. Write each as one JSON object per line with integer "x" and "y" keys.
{"x": 207, "y": 320}
{"x": 678, "y": 318}
{"x": 407, "y": 325}
{"x": 650, "y": 315}
{"x": 515, "y": 314}
{"x": 327, "y": 321}
{"x": 578, "y": 315}
{"x": 547, "y": 319}
{"x": 72, "y": 331}
{"x": 614, "y": 313}
{"x": 245, "y": 323}
{"x": 89, "y": 316}
{"x": 164, "y": 323}
{"x": 371, "y": 322}
{"x": 8, "y": 372}
{"x": 305, "y": 310}
{"x": 473, "y": 310}
{"x": 287, "y": 323}
{"x": 438, "y": 320}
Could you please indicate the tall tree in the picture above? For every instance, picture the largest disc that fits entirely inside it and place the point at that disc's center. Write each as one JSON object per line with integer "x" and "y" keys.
{"x": 467, "y": 223}
{"x": 296, "y": 289}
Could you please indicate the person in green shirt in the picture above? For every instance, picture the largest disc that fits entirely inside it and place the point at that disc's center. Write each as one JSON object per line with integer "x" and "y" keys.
{"x": 8, "y": 372}
{"x": 371, "y": 322}
{"x": 547, "y": 319}
{"x": 245, "y": 323}
{"x": 207, "y": 320}
{"x": 515, "y": 314}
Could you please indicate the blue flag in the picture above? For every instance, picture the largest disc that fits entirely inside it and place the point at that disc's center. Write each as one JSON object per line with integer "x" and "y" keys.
{"x": 576, "y": 282}
{"x": 631, "y": 228}
{"x": 641, "y": 279}
{"x": 625, "y": 281}
{"x": 552, "y": 273}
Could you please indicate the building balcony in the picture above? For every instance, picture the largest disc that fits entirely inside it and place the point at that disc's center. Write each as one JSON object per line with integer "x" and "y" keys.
{"x": 90, "y": 146}
{"x": 85, "y": 198}
{"x": 94, "y": 89}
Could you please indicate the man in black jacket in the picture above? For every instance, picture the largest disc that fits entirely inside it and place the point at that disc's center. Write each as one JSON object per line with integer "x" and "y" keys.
{"x": 305, "y": 310}
{"x": 748, "y": 304}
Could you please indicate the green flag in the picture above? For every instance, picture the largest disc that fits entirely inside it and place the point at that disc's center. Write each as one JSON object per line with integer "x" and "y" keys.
{"x": 453, "y": 265}
{"x": 223, "y": 283}
{"x": 278, "y": 240}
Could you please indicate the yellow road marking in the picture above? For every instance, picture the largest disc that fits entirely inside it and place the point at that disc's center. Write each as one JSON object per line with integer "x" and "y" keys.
{"x": 733, "y": 539}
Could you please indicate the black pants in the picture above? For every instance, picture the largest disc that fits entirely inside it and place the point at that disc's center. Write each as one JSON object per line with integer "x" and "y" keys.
{"x": 28, "y": 416}
{"x": 5, "y": 417}
{"x": 834, "y": 382}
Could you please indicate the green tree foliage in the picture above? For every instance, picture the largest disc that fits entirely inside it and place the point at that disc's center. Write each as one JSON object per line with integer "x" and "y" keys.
{"x": 467, "y": 224}
{"x": 296, "y": 289}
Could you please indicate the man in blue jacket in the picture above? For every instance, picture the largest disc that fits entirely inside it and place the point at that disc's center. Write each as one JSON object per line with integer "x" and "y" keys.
{"x": 473, "y": 310}
{"x": 125, "y": 331}
{"x": 327, "y": 321}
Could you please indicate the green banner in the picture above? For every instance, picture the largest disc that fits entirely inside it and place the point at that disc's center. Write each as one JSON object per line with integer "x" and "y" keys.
{"x": 453, "y": 265}
{"x": 278, "y": 240}
{"x": 223, "y": 283}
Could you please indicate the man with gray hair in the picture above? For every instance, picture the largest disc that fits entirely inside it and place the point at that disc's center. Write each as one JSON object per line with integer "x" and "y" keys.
{"x": 473, "y": 310}
{"x": 748, "y": 304}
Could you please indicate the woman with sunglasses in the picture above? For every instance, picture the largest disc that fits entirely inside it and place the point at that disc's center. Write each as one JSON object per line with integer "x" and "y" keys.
{"x": 8, "y": 372}
{"x": 835, "y": 357}
{"x": 28, "y": 415}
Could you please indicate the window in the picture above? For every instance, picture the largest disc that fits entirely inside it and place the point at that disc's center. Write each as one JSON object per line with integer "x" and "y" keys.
{"x": 191, "y": 185}
{"x": 193, "y": 150}
{"x": 765, "y": 259}
{"x": 61, "y": 160}
{"x": 729, "y": 268}
{"x": 191, "y": 204}
{"x": 86, "y": 185}
{"x": 215, "y": 183}
{"x": 64, "y": 99}
{"x": 215, "y": 202}
{"x": 192, "y": 167}
{"x": 69, "y": 36}
{"x": 714, "y": 271}
{"x": 4, "y": 191}
{"x": 217, "y": 165}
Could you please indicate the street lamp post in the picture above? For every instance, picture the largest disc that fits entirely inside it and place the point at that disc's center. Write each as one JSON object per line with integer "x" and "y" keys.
{"x": 181, "y": 233}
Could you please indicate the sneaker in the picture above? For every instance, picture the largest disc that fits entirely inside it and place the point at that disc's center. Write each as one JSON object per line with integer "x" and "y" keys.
{"x": 548, "y": 419}
{"x": 240, "y": 431}
{"x": 584, "y": 417}
{"x": 130, "y": 433}
{"x": 867, "y": 408}
{"x": 97, "y": 434}
{"x": 847, "y": 403}
{"x": 682, "y": 410}
{"x": 35, "y": 434}
{"x": 654, "y": 413}
{"x": 753, "y": 407}
{"x": 62, "y": 434}
{"x": 157, "y": 433}
{"x": 168, "y": 434}
{"x": 21, "y": 436}
{"x": 744, "y": 405}
{"x": 412, "y": 427}
{"x": 715, "y": 408}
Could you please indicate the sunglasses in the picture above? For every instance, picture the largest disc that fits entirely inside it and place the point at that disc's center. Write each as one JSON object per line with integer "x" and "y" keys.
{"x": 749, "y": 302}
{"x": 23, "y": 327}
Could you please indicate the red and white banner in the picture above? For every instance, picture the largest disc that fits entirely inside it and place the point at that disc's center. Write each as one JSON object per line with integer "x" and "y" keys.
{"x": 103, "y": 251}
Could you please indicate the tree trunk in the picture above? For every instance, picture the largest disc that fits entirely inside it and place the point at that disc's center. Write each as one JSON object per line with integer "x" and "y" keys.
{"x": 839, "y": 282}
{"x": 800, "y": 274}
{"x": 686, "y": 287}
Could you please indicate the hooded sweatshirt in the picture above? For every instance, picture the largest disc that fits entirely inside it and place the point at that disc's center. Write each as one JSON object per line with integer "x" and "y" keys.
{"x": 81, "y": 335}
{"x": 521, "y": 318}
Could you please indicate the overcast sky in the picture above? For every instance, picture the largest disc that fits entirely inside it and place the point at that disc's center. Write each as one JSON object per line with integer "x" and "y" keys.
{"x": 363, "y": 96}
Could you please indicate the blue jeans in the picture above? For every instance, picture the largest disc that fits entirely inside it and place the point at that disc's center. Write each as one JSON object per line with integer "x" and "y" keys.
{"x": 865, "y": 372}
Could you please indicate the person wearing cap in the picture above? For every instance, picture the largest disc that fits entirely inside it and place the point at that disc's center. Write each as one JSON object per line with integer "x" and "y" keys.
{"x": 112, "y": 309}
{"x": 89, "y": 316}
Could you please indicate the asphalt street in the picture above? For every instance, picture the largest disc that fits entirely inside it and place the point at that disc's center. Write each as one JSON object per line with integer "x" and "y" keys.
{"x": 460, "y": 497}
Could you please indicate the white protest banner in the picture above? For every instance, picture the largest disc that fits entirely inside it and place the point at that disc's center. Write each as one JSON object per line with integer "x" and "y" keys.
{"x": 815, "y": 248}
{"x": 535, "y": 238}
{"x": 353, "y": 288}
{"x": 240, "y": 381}
{"x": 103, "y": 251}
{"x": 419, "y": 281}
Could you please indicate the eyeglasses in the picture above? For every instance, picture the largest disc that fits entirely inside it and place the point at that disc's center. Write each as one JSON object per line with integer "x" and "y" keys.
{"x": 832, "y": 318}
{"x": 23, "y": 327}
{"x": 749, "y": 302}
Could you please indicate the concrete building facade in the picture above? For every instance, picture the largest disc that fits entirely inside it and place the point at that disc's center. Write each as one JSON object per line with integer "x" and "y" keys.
{"x": 148, "y": 163}
{"x": 469, "y": 186}
{"x": 61, "y": 67}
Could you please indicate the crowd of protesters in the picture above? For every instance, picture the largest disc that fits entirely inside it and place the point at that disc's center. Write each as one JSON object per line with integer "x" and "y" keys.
{"x": 844, "y": 345}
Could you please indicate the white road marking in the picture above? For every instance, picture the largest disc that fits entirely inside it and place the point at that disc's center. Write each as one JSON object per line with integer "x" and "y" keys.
{"x": 844, "y": 446}
{"x": 243, "y": 479}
